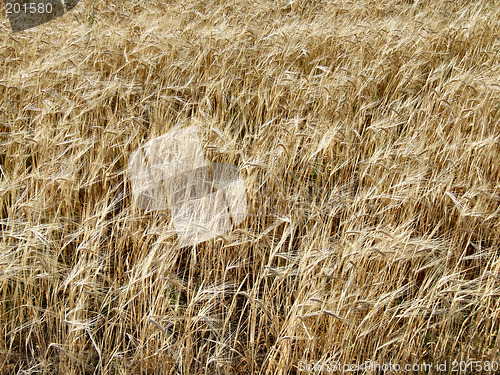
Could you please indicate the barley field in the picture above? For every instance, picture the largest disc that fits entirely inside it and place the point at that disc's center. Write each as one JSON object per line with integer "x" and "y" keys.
{"x": 367, "y": 133}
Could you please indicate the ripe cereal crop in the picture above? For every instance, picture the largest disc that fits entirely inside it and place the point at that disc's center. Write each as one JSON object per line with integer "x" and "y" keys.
{"x": 367, "y": 133}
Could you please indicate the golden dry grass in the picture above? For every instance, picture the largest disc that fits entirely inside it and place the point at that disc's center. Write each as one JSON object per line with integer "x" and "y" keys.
{"x": 368, "y": 133}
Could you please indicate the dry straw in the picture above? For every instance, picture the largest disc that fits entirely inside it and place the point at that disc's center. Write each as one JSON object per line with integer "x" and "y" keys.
{"x": 367, "y": 132}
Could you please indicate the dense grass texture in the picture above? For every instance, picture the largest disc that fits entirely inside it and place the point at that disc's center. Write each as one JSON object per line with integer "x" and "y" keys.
{"x": 367, "y": 132}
